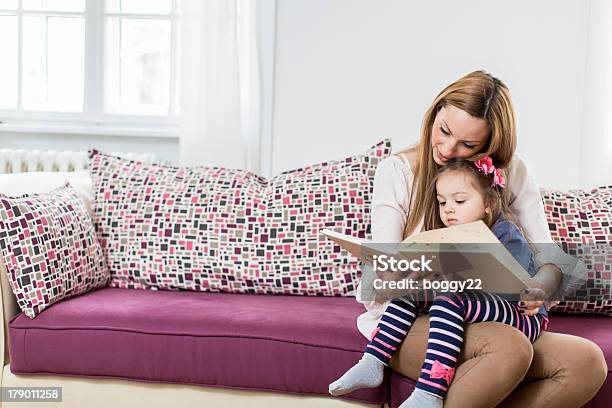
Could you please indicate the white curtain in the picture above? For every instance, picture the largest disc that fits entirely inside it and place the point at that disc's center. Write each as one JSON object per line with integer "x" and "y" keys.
{"x": 596, "y": 151}
{"x": 221, "y": 105}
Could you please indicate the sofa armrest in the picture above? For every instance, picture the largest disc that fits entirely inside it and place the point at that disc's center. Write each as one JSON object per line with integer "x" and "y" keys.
{"x": 34, "y": 182}
{"x": 10, "y": 308}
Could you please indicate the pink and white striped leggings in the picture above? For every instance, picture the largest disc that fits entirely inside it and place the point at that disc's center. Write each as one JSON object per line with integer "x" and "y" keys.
{"x": 447, "y": 314}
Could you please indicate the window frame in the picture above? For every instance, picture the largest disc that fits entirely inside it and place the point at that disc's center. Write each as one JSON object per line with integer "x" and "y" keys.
{"x": 93, "y": 120}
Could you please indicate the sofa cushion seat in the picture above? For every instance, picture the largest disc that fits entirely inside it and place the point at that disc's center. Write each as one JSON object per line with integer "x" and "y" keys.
{"x": 283, "y": 343}
{"x": 594, "y": 328}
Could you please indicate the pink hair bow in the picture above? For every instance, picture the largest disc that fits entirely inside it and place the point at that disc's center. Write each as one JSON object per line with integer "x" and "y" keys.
{"x": 498, "y": 178}
{"x": 486, "y": 166}
{"x": 439, "y": 371}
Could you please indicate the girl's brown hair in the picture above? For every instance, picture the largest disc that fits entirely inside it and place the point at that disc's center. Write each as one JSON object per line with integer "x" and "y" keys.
{"x": 482, "y": 96}
{"x": 495, "y": 197}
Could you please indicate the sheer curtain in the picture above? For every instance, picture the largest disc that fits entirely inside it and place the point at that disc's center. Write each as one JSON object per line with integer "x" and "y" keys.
{"x": 221, "y": 105}
{"x": 596, "y": 143}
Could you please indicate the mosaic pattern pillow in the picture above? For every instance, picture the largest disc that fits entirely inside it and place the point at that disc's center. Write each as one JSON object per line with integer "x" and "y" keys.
{"x": 581, "y": 223}
{"x": 226, "y": 230}
{"x": 49, "y": 248}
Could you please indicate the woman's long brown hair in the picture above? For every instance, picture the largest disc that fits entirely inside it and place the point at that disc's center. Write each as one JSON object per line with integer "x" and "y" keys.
{"x": 482, "y": 96}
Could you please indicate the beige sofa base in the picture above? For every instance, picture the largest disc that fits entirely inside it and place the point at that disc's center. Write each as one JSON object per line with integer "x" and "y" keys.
{"x": 102, "y": 393}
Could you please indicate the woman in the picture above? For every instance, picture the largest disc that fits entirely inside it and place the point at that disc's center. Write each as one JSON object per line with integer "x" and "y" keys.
{"x": 469, "y": 119}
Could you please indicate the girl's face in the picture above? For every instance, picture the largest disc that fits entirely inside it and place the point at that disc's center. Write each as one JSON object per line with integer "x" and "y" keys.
{"x": 458, "y": 200}
{"x": 457, "y": 134}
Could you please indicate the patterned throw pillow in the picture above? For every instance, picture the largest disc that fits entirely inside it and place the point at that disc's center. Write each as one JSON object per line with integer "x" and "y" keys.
{"x": 226, "y": 230}
{"x": 581, "y": 223}
{"x": 49, "y": 248}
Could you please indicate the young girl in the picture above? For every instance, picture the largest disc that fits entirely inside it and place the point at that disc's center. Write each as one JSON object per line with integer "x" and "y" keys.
{"x": 465, "y": 191}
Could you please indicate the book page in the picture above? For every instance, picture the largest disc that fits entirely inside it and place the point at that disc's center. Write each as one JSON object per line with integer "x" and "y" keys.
{"x": 475, "y": 232}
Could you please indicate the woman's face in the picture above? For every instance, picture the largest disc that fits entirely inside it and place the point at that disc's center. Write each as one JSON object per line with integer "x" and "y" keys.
{"x": 457, "y": 134}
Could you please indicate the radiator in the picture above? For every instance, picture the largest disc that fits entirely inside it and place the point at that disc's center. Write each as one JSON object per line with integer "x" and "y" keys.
{"x": 21, "y": 161}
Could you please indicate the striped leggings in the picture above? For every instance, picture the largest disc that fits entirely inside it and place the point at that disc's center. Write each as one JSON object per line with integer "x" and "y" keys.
{"x": 447, "y": 314}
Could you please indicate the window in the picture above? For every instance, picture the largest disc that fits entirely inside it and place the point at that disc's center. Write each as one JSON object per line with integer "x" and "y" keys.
{"x": 90, "y": 62}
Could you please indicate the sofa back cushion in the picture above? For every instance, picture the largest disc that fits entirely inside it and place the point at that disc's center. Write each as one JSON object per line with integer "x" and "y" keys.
{"x": 226, "y": 230}
{"x": 580, "y": 221}
{"x": 49, "y": 248}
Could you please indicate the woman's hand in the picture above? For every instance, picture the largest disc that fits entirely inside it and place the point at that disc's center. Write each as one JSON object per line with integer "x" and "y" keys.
{"x": 544, "y": 283}
{"x": 550, "y": 276}
{"x": 533, "y": 298}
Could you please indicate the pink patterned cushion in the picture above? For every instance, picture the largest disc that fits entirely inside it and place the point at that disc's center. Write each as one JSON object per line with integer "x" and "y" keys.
{"x": 226, "y": 230}
{"x": 49, "y": 248}
{"x": 581, "y": 223}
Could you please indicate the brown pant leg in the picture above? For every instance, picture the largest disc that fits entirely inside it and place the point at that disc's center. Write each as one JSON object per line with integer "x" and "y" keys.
{"x": 494, "y": 360}
{"x": 566, "y": 372}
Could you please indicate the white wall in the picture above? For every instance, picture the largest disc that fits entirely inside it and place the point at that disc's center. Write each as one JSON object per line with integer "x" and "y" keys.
{"x": 596, "y": 137}
{"x": 351, "y": 72}
{"x": 348, "y": 73}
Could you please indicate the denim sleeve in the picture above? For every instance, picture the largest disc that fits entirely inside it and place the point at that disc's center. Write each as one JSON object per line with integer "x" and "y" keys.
{"x": 516, "y": 244}
{"x": 509, "y": 235}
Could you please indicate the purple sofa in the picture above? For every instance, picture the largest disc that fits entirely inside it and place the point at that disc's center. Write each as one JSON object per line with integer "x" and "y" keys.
{"x": 289, "y": 344}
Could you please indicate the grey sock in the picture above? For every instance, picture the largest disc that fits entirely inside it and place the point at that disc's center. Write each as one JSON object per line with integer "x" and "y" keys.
{"x": 367, "y": 373}
{"x": 422, "y": 399}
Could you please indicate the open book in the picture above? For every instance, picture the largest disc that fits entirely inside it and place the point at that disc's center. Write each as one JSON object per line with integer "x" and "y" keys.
{"x": 467, "y": 251}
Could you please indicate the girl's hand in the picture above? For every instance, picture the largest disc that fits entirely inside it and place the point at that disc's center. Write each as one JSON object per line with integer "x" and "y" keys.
{"x": 533, "y": 299}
